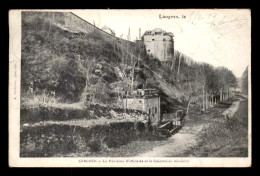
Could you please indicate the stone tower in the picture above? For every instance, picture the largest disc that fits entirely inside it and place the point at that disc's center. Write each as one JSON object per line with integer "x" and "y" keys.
{"x": 159, "y": 44}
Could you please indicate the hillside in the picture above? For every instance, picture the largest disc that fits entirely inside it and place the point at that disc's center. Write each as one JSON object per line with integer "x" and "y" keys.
{"x": 67, "y": 60}
{"x": 57, "y": 60}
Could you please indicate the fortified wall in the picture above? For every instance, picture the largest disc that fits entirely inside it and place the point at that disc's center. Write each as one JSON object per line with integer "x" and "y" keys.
{"x": 159, "y": 44}
{"x": 68, "y": 22}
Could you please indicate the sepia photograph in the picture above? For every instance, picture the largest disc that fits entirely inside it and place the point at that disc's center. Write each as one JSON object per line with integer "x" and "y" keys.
{"x": 130, "y": 88}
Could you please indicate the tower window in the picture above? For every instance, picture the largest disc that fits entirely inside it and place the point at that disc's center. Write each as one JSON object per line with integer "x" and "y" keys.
{"x": 152, "y": 39}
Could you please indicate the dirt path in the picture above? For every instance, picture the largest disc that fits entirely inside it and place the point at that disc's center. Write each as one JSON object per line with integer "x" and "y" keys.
{"x": 189, "y": 137}
{"x": 178, "y": 143}
{"x": 190, "y": 141}
{"x": 234, "y": 107}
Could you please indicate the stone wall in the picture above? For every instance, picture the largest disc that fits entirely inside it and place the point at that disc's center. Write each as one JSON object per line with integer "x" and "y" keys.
{"x": 38, "y": 114}
{"x": 67, "y": 21}
{"x": 62, "y": 140}
{"x": 134, "y": 103}
{"x": 159, "y": 46}
{"x": 144, "y": 104}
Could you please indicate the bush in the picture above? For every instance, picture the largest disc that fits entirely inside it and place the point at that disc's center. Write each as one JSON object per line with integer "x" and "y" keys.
{"x": 56, "y": 139}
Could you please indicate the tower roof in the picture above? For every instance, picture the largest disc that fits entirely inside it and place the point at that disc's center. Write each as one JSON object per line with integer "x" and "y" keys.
{"x": 158, "y": 30}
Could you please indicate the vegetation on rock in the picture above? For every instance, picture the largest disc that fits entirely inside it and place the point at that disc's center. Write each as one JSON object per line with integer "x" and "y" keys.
{"x": 71, "y": 66}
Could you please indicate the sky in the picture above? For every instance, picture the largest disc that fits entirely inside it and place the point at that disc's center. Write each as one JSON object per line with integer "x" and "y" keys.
{"x": 218, "y": 37}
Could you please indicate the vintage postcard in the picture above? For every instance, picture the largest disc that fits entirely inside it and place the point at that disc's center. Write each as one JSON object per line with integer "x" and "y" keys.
{"x": 130, "y": 88}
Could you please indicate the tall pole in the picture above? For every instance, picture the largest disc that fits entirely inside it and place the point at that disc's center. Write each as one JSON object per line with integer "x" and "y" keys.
{"x": 212, "y": 101}
{"x": 209, "y": 100}
{"x": 164, "y": 52}
{"x": 159, "y": 117}
{"x": 228, "y": 93}
{"x": 206, "y": 101}
{"x": 203, "y": 100}
{"x": 128, "y": 37}
{"x": 179, "y": 67}
{"x": 139, "y": 33}
{"x": 221, "y": 98}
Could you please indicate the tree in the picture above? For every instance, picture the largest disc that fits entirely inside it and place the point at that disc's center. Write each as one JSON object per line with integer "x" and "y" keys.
{"x": 87, "y": 67}
{"x": 244, "y": 80}
{"x": 226, "y": 79}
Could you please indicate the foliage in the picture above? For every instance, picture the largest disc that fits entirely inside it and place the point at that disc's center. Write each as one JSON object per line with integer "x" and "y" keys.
{"x": 245, "y": 81}
{"x": 190, "y": 76}
{"x": 54, "y": 60}
{"x": 64, "y": 63}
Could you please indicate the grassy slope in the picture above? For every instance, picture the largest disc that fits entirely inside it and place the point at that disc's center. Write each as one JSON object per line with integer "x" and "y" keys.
{"x": 222, "y": 138}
